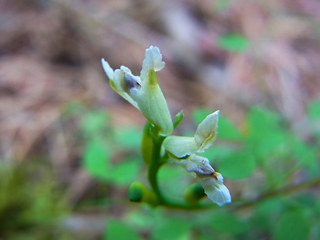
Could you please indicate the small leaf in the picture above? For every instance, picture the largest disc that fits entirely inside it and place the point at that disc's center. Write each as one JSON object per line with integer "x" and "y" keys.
{"x": 306, "y": 155}
{"x": 293, "y": 225}
{"x": 218, "y": 152}
{"x": 314, "y": 109}
{"x": 233, "y": 42}
{"x": 261, "y": 121}
{"x": 228, "y": 223}
{"x": 96, "y": 159}
{"x": 128, "y": 137}
{"x": 125, "y": 172}
{"x": 116, "y": 230}
{"x": 227, "y": 130}
{"x": 172, "y": 229}
{"x": 237, "y": 165}
{"x": 222, "y": 5}
{"x": 93, "y": 123}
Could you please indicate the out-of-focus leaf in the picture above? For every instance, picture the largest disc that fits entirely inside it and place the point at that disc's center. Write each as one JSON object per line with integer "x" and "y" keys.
{"x": 293, "y": 225}
{"x": 314, "y": 109}
{"x": 228, "y": 223}
{"x": 237, "y": 165}
{"x": 128, "y": 138}
{"x": 227, "y": 130}
{"x": 273, "y": 143}
{"x": 172, "y": 229}
{"x": 125, "y": 172}
{"x": 93, "y": 123}
{"x": 306, "y": 155}
{"x": 222, "y": 5}
{"x": 262, "y": 121}
{"x": 217, "y": 152}
{"x": 116, "y": 230}
{"x": 266, "y": 135}
{"x": 96, "y": 159}
{"x": 173, "y": 180}
{"x": 266, "y": 211}
{"x": 233, "y": 42}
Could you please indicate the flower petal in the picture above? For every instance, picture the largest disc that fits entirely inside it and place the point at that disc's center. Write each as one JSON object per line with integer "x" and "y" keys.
{"x": 107, "y": 69}
{"x": 119, "y": 81}
{"x": 216, "y": 191}
{"x": 197, "y": 164}
{"x": 153, "y": 61}
{"x": 207, "y": 131}
{"x": 179, "y": 146}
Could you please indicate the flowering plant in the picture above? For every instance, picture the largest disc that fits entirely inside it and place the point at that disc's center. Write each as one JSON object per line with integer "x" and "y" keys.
{"x": 158, "y": 145}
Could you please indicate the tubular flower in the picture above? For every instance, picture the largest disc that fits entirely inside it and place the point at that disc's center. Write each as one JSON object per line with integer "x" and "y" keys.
{"x": 184, "y": 150}
{"x": 143, "y": 91}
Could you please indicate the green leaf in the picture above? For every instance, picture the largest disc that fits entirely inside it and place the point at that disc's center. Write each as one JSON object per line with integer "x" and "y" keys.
{"x": 172, "y": 229}
{"x": 218, "y": 152}
{"x": 173, "y": 180}
{"x": 125, "y": 172}
{"x": 314, "y": 109}
{"x": 93, "y": 123}
{"x": 116, "y": 230}
{"x": 266, "y": 135}
{"x": 227, "y": 130}
{"x": 266, "y": 211}
{"x": 228, "y": 223}
{"x": 293, "y": 225}
{"x": 128, "y": 137}
{"x": 261, "y": 121}
{"x": 222, "y": 5}
{"x": 96, "y": 159}
{"x": 237, "y": 165}
{"x": 233, "y": 42}
{"x": 306, "y": 155}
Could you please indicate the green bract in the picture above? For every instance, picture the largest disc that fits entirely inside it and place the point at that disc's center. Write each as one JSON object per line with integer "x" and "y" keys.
{"x": 143, "y": 92}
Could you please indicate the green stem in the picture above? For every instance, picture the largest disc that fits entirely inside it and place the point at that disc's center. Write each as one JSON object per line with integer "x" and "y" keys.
{"x": 283, "y": 191}
{"x": 157, "y": 162}
{"x": 155, "y": 165}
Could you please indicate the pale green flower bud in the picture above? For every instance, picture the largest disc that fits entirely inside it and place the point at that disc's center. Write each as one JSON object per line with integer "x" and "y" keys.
{"x": 143, "y": 92}
{"x": 216, "y": 191}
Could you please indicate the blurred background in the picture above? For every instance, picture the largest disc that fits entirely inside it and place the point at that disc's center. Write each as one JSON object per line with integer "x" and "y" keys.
{"x": 70, "y": 146}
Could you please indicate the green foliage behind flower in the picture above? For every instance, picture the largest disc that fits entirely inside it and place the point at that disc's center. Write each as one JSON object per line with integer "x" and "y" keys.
{"x": 264, "y": 162}
{"x": 31, "y": 204}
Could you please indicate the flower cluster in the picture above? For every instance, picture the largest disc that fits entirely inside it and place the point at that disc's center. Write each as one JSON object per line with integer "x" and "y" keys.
{"x": 144, "y": 93}
{"x": 185, "y": 151}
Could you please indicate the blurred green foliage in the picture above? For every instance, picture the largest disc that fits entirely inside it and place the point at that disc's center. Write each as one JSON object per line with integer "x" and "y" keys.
{"x": 31, "y": 204}
{"x": 258, "y": 161}
{"x": 233, "y": 43}
{"x": 263, "y": 162}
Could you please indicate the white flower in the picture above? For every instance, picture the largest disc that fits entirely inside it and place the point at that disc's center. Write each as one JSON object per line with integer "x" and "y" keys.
{"x": 216, "y": 191}
{"x": 202, "y": 139}
{"x": 143, "y": 92}
{"x": 184, "y": 152}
